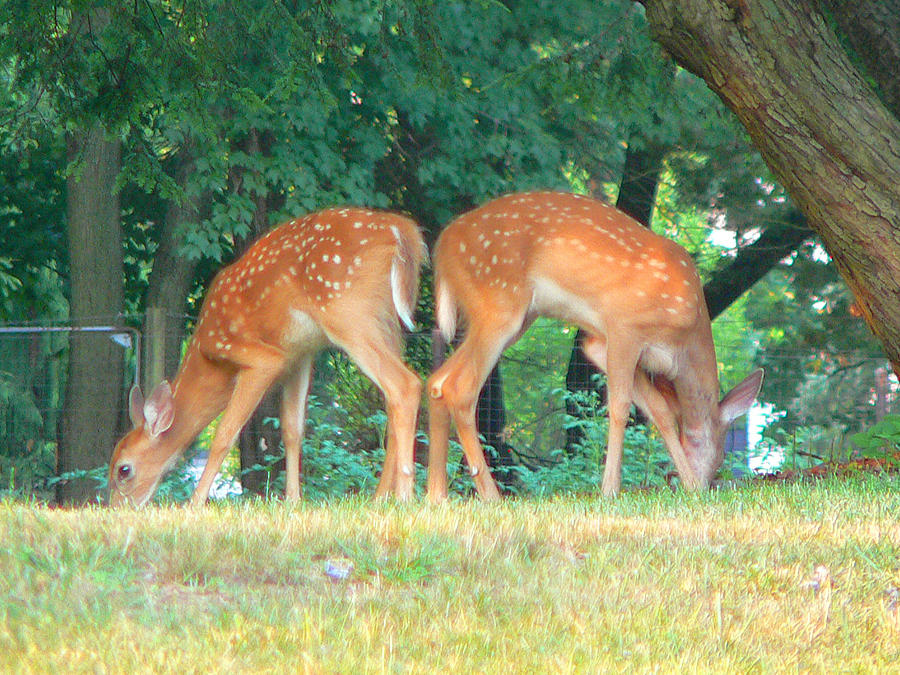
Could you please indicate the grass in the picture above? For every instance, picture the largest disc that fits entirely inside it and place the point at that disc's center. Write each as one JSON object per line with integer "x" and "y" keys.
{"x": 720, "y": 582}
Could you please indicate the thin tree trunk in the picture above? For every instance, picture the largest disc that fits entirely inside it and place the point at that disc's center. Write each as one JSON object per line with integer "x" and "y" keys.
{"x": 637, "y": 197}
{"x": 753, "y": 262}
{"x": 90, "y": 420}
{"x": 259, "y": 439}
{"x": 169, "y": 286}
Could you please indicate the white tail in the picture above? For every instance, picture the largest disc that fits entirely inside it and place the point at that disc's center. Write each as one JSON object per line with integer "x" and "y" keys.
{"x": 341, "y": 277}
{"x": 637, "y": 296}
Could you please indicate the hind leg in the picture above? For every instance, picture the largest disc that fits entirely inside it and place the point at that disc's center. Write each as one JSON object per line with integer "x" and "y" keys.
{"x": 293, "y": 421}
{"x": 378, "y": 356}
{"x": 453, "y": 394}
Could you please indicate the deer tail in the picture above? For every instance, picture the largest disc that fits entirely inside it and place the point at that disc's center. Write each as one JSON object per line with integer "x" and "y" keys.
{"x": 409, "y": 256}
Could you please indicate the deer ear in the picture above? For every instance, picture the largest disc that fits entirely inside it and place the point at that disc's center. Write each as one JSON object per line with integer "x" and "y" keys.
{"x": 159, "y": 410}
{"x": 136, "y": 406}
{"x": 738, "y": 401}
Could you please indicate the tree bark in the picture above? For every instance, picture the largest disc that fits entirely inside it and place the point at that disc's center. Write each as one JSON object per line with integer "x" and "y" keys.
{"x": 640, "y": 178}
{"x": 873, "y": 30}
{"x": 819, "y": 126}
{"x": 93, "y": 400}
{"x": 169, "y": 286}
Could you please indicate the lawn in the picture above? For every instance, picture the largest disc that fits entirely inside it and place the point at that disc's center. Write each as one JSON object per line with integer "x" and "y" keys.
{"x": 762, "y": 577}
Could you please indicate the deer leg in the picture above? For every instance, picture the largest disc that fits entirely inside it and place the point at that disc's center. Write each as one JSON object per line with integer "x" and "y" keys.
{"x": 438, "y": 443}
{"x": 453, "y": 392}
{"x": 654, "y": 405}
{"x": 250, "y": 386}
{"x": 621, "y": 359}
{"x": 293, "y": 421}
{"x": 379, "y": 359}
{"x": 402, "y": 392}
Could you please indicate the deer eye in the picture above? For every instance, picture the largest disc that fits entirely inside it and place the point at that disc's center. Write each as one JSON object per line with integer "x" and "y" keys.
{"x": 125, "y": 472}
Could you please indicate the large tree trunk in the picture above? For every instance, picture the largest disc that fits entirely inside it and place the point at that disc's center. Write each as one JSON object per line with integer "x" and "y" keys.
{"x": 873, "y": 30}
{"x": 818, "y": 124}
{"x": 93, "y": 396}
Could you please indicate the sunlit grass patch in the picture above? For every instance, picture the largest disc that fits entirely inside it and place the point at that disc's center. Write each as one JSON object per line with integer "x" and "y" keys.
{"x": 725, "y": 581}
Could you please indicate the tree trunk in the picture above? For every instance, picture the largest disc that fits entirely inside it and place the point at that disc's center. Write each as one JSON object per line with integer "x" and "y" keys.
{"x": 873, "y": 30}
{"x": 637, "y": 197}
{"x": 169, "y": 287}
{"x": 93, "y": 396}
{"x": 259, "y": 438}
{"x": 818, "y": 125}
{"x": 640, "y": 178}
{"x": 753, "y": 262}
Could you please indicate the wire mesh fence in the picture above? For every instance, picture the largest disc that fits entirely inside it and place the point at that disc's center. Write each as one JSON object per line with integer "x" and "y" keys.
{"x": 528, "y": 412}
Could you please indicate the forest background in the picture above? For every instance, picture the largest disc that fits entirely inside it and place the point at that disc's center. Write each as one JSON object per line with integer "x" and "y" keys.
{"x": 144, "y": 144}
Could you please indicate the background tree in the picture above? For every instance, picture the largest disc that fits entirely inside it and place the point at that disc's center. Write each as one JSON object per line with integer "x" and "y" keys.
{"x": 818, "y": 123}
{"x": 90, "y": 416}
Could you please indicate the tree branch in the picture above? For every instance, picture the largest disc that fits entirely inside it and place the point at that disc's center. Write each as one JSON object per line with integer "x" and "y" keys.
{"x": 754, "y": 261}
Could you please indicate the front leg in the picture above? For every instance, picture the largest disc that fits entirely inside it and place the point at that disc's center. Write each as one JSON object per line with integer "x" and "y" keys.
{"x": 251, "y": 383}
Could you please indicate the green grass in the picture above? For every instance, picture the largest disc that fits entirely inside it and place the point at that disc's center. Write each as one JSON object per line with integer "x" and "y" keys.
{"x": 652, "y": 581}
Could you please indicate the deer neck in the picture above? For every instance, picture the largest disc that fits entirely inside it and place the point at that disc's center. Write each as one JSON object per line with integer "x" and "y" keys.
{"x": 201, "y": 390}
{"x": 698, "y": 388}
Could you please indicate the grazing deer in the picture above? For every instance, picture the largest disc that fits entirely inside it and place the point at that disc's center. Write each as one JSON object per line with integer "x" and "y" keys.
{"x": 341, "y": 277}
{"x": 635, "y": 294}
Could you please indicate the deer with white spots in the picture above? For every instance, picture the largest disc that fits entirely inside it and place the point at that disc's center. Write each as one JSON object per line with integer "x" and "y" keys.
{"x": 337, "y": 277}
{"x": 636, "y": 295}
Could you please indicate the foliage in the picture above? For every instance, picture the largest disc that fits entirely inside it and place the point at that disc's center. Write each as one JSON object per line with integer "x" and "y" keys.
{"x": 645, "y": 464}
{"x": 534, "y": 370}
{"x": 820, "y": 359}
{"x": 881, "y": 439}
{"x": 255, "y": 106}
{"x": 31, "y": 365}
{"x": 334, "y": 461}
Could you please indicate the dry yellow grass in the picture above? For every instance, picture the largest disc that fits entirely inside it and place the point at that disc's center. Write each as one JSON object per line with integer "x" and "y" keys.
{"x": 761, "y": 578}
